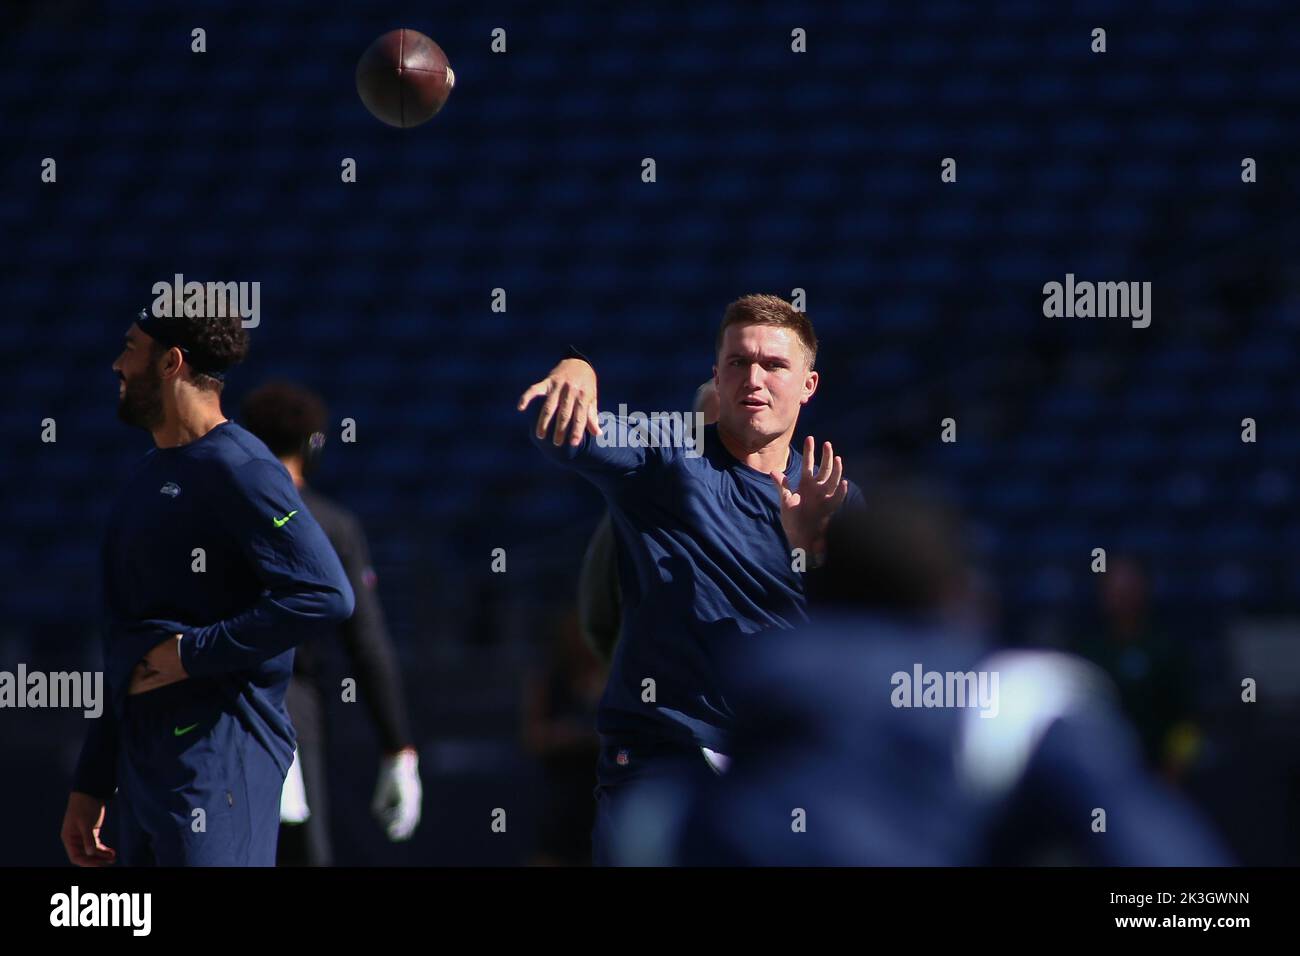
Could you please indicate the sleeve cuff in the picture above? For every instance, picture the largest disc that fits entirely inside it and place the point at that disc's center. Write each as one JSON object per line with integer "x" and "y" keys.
{"x": 187, "y": 650}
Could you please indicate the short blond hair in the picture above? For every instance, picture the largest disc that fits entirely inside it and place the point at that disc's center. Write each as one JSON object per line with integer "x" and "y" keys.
{"x": 760, "y": 309}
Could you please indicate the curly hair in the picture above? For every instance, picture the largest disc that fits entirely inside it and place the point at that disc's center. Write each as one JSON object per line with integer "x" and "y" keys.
{"x": 212, "y": 341}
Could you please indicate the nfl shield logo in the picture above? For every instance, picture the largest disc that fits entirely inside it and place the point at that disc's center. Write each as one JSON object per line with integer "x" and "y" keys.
{"x": 621, "y": 758}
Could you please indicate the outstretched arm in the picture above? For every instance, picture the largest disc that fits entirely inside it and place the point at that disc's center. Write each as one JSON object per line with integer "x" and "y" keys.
{"x": 569, "y": 416}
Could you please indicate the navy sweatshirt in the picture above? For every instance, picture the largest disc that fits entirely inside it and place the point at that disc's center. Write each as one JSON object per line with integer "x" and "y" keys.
{"x": 270, "y": 579}
{"x": 820, "y": 726}
{"x": 702, "y": 557}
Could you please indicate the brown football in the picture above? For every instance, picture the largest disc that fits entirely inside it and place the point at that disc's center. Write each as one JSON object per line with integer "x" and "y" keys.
{"x": 404, "y": 78}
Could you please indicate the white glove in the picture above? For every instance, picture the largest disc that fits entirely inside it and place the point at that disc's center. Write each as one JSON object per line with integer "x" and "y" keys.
{"x": 293, "y": 796}
{"x": 396, "y": 804}
{"x": 718, "y": 762}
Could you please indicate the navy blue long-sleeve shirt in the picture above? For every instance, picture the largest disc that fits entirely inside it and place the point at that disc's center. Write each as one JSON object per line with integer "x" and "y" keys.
{"x": 267, "y": 579}
{"x": 706, "y": 559}
{"x": 884, "y": 780}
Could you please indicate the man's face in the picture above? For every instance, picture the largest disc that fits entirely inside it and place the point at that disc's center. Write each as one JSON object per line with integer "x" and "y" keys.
{"x": 763, "y": 379}
{"x": 139, "y": 400}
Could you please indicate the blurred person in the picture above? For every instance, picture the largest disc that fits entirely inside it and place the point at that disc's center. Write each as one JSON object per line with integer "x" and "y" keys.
{"x": 291, "y": 420}
{"x": 559, "y": 730}
{"x": 1148, "y": 667}
{"x": 845, "y": 754}
{"x": 599, "y": 599}
{"x": 196, "y": 740}
{"x": 716, "y": 532}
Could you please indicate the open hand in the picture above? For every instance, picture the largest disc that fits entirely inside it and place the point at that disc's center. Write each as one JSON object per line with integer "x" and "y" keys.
{"x": 570, "y": 391}
{"x": 82, "y": 822}
{"x": 806, "y": 513}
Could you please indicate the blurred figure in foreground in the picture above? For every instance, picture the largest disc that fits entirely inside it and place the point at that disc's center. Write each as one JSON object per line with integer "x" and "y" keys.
{"x": 886, "y": 734}
{"x": 291, "y": 421}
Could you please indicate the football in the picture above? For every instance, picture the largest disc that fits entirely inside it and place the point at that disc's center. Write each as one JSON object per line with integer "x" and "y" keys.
{"x": 404, "y": 78}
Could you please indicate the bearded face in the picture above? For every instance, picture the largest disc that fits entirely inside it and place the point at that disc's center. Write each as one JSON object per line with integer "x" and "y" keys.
{"x": 140, "y": 396}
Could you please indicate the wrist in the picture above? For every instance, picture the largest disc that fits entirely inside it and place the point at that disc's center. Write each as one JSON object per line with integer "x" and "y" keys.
{"x": 569, "y": 367}
{"x": 184, "y": 647}
{"x": 406, "y": 757}
{"x": 572, "y": 353}
{"x": 814, "y": 552}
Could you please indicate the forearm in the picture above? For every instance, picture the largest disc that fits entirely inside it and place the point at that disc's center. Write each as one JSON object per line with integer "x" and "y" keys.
{"x": 374, "y": 658}
{"x": 303, "y": 587}
{"x": 276, "y": 623}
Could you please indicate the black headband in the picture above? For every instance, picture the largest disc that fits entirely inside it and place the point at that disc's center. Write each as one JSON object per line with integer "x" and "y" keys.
{"x": 168, "y": 334}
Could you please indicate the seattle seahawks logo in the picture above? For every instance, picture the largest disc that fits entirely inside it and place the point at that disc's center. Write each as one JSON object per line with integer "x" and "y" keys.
{"x": 171, "y": 489}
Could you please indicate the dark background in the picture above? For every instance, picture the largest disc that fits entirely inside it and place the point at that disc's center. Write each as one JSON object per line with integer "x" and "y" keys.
{"x": 776, "y": 170}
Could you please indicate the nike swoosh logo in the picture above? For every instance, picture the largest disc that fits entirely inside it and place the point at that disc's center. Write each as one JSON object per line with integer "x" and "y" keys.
{"x": 180, "y": 731}
{"x": 280, "y": 522}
